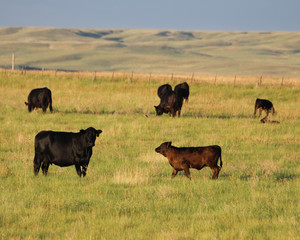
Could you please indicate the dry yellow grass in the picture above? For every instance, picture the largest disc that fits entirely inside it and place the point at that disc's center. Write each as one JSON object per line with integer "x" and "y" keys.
{"x": 193, "y": 77}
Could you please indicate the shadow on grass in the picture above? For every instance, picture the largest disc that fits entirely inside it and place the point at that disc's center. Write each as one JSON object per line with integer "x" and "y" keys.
{"x": 153, "y": 114}
{"x": 218, "y": 116}
{"x": 278, "y": 176}
{"x": 100, "y": 112}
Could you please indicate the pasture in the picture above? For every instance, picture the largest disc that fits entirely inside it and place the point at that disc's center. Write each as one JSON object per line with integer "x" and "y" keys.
{"x": 128, "y": 192}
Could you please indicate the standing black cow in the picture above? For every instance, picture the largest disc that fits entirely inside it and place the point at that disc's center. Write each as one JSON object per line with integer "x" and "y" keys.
{"x": 263, "y": 104}
{"x": 39, "y": 98}
{"x": 182, "y": 90}
{"x": 64, "y": 149}
{"x": 184, "y": 158}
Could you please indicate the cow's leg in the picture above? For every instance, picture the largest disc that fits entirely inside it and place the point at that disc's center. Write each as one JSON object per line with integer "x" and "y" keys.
{"x": 37, "y": 163}
{"x": 215, "y": 171}
{"x": 84, "y": 169}
{"x": 174, "y": 173}
{"x": 187, "y": 172}
{"x": 78, "y": 169}
{"x": 173, "y": 112}
{"x": 255, "y": 109}
{"x": 45, "y": 166}
{"x": 44, "y": 108}
{"x": 179, "y": 111}
{"x": 260, "y": 110}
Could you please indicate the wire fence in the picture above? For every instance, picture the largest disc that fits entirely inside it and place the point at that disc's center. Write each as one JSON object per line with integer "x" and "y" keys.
{"x": 234, "y": 80}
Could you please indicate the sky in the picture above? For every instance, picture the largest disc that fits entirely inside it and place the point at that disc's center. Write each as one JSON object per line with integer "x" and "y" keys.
{"x": 227, "y": 15}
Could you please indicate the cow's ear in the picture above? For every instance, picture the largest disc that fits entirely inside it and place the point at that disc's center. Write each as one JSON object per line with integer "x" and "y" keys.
{"x": 98, "y": 132}
{"x": 169, "y": 144}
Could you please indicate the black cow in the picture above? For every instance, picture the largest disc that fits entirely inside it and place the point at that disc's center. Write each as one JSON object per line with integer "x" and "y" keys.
{"x": 167, "y": 104}
{"x": 185, "y": 158}
{"x": 39, "y": 98}
{"x": 163, "y": 89}
{"x": 64, "y": 149}
{"x": 263, "y": 104}
{"x": 182, "y": 90}
{"x": 171, "y": 101}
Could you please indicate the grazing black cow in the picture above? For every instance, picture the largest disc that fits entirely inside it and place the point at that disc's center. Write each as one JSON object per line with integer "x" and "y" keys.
{"x": 182, "y": 90}
{"x": 163, "y": 89}
{"x": 185, "y": 158}
{"x": 39, "y": 98}
{"x": 64, "y": 149}
{"x": 263, "y": 104}
{"x": 167, "y": 104}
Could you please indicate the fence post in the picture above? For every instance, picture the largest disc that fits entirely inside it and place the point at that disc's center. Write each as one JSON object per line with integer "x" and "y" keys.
{"x": 112, "y": 76}
{"x": 131, "y": 78}
{"x": 282, "y": 81}
{"x": 260, "y": 79}
{"x": 192, "y": 78}
{"x": 13, "y": 62}
{"x": 94, "y": 76}
{"x": 234, "y": 81}
{"x": 216, "y": 80}
{"x": 149, "y": 77}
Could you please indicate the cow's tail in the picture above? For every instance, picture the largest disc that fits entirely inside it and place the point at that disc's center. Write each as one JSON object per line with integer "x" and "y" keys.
{"x": 221, "y": 163}
{"x": 50, "y": 101}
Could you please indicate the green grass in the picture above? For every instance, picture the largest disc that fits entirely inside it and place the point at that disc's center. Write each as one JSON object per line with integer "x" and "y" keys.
{"x": 153, "y": 51}
{"x": 128, "y": 192}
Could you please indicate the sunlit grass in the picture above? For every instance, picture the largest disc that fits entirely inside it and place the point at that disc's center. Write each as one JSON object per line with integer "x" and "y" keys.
{"x": 128, "y": 192}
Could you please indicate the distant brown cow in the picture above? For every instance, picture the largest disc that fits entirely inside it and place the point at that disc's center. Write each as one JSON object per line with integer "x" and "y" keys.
{"x": 185, "y": 158}
{"x": 263, "y": 104}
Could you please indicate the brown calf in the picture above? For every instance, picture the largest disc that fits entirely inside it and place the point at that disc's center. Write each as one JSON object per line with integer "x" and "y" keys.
{"x": 185, "y": 158}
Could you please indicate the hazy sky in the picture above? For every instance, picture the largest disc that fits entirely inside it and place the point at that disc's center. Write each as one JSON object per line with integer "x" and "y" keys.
{"x": 239, "y": 15}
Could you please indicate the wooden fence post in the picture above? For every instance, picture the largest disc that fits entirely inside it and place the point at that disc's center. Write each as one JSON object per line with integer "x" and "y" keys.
{"x": 282, "y": 81}
{"x": 13, "y": 62}
{"x": 131, "y": 78}
{"x": 94, "y": 76}
{"x": 216, "y": 80}
{"x": 112, "y": 76}
{"x": 234, "y": 81}
{"x": 260, "y": 79}
{"x": 149, "y": 77}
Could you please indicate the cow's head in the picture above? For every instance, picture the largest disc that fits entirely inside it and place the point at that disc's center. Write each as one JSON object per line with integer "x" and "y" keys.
{"x": 159, "y": 110}
{"x": 90, "y": 135}
{"x": 163, "y": 148}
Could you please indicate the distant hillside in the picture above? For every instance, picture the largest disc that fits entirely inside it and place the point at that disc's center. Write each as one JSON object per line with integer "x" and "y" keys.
{"x": 156, "y": 51}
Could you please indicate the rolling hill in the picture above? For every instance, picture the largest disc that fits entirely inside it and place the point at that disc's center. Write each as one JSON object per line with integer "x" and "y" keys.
{"x": 155, "y": 51}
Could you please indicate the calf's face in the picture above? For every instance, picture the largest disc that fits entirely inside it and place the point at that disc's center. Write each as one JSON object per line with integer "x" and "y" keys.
{"x": 163, "y": 148}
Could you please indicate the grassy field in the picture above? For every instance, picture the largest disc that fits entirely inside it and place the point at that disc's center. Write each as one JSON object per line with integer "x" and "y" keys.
{"x": 128, "y": 192}
{"x": 153, "y": 51}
